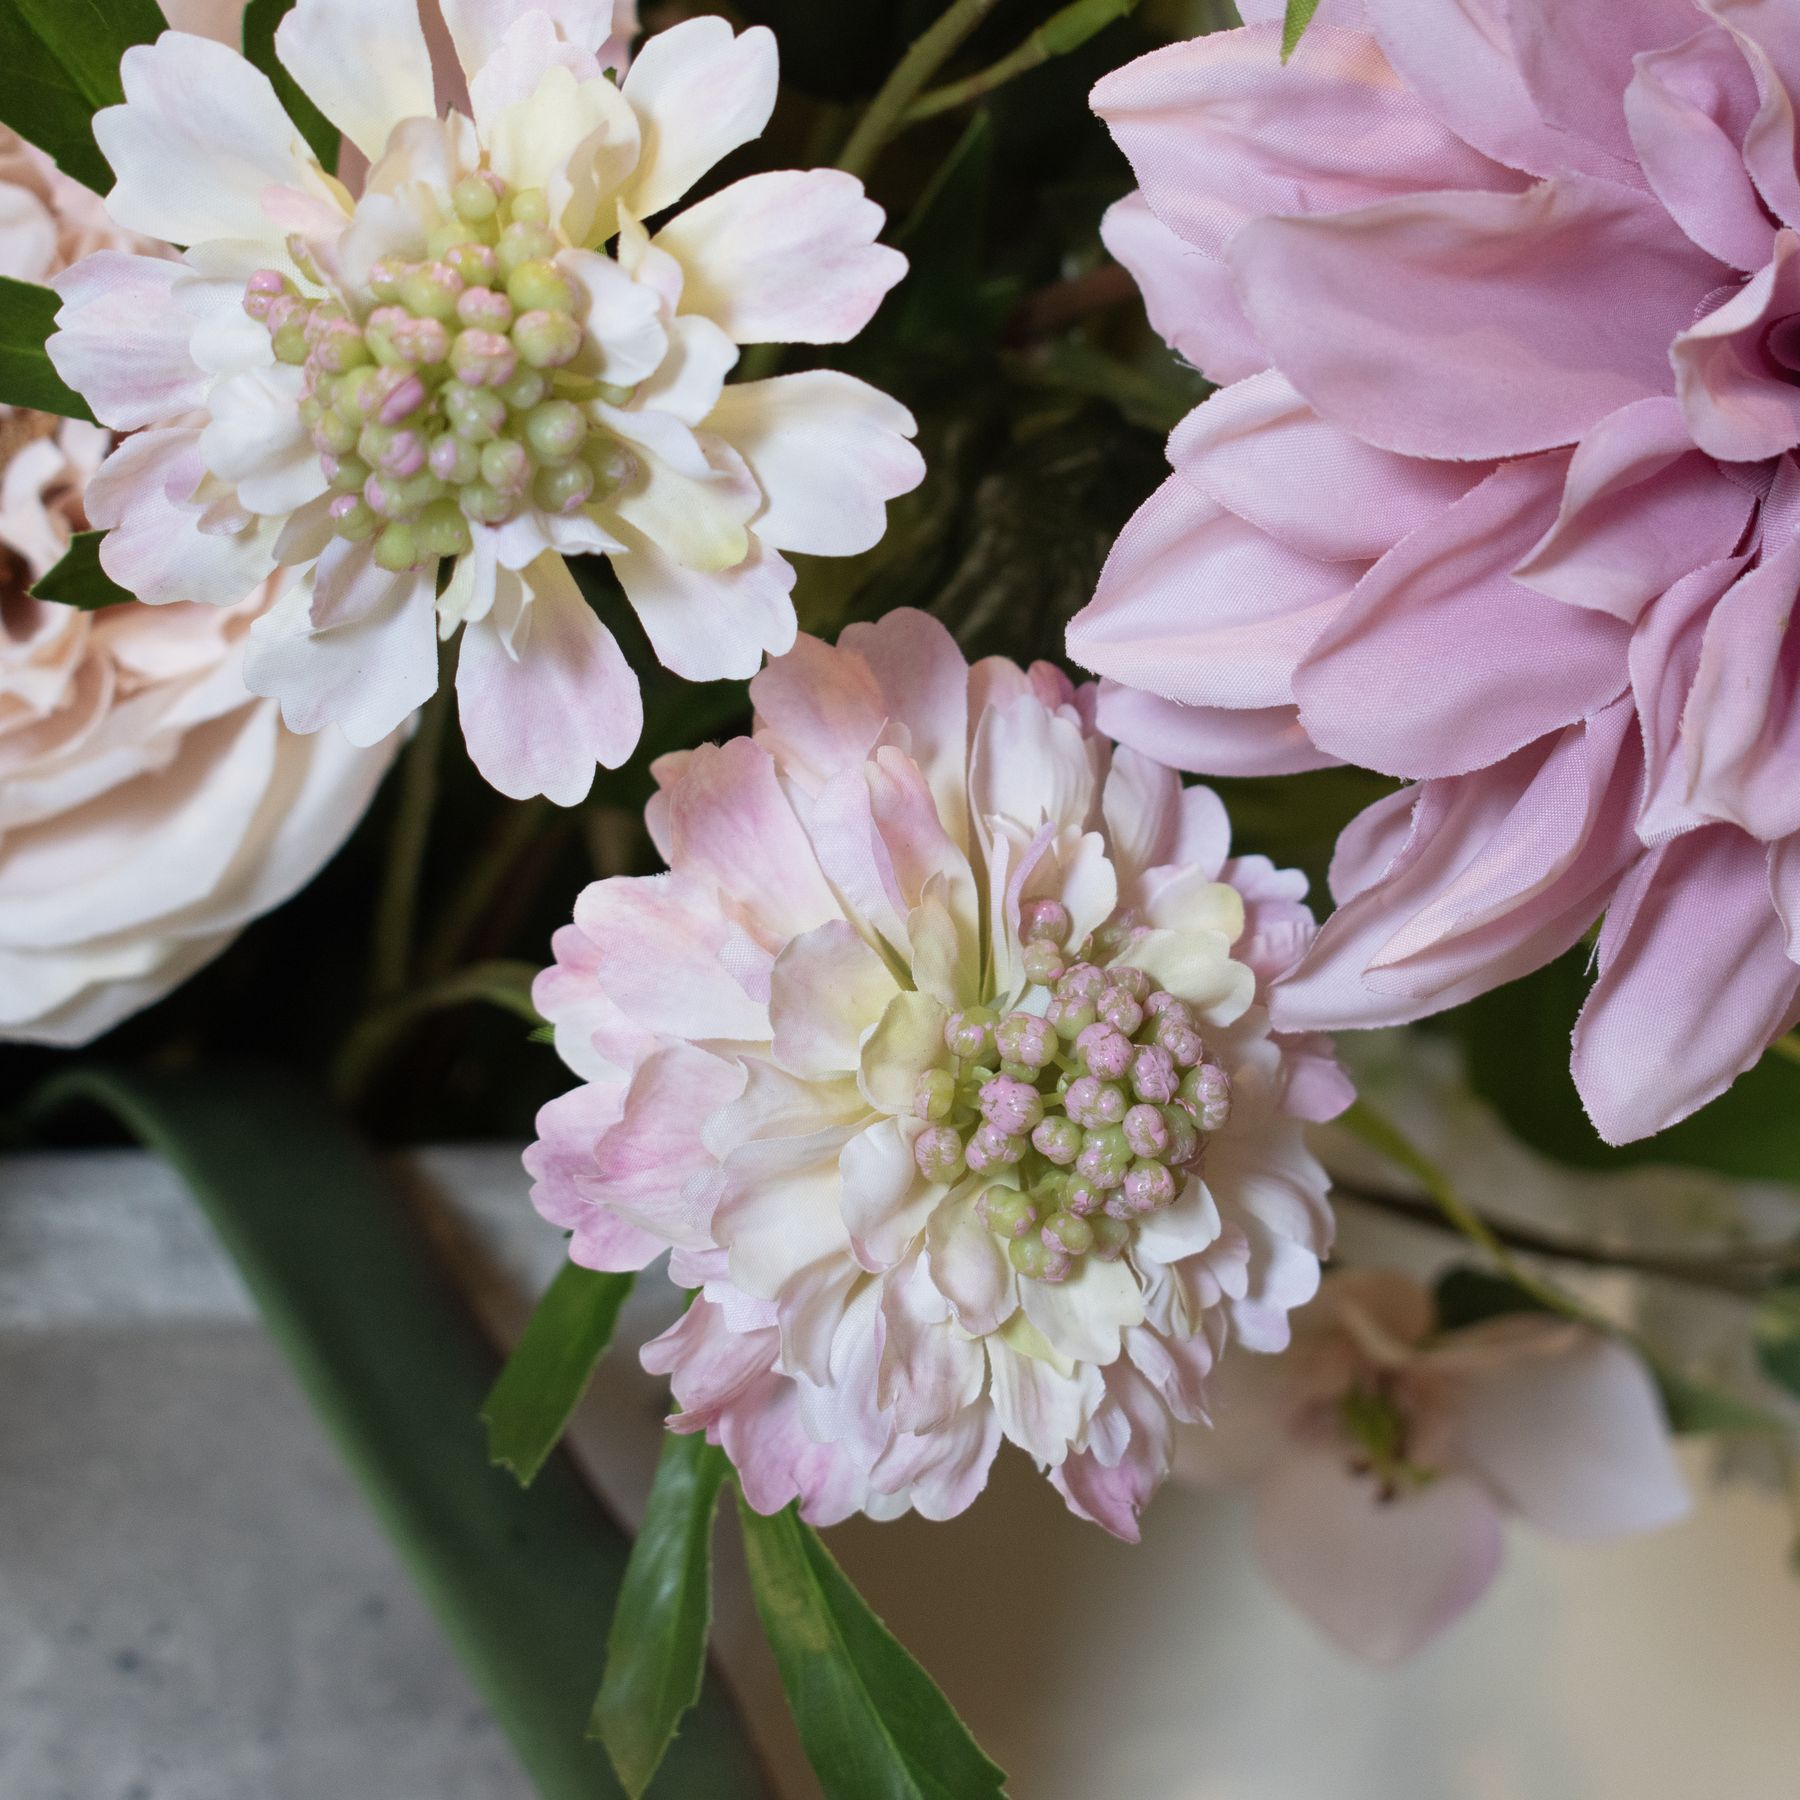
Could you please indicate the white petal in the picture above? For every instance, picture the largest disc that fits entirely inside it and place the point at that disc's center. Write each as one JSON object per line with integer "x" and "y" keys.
{"x": 199, "y": 139}
{"x": 1085, "y": 1316}
{"x": 363, "y": 63}
{"x": 625, "y": 339}
{"x": 255, "y": 440}
{"x": 788, "y": 257}
{"x": 710, "y": 627}
{"x": 691, "y": 380}
{"x": 698, "y": 92}
{"x": 477, "y": 27}
{"x": 828, "y": 452}
{"x": 122, "y": 339}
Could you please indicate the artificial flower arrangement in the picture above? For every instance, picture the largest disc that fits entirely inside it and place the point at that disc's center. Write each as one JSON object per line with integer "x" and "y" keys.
{"x": 823, "y": 890}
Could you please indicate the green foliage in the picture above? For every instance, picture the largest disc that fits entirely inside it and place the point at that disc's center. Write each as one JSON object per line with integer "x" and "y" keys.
{"x": 79, "y": 580}
{"x": 1468, "y": 1296}
{"x": 551, "y": 1366}
{"x": 656, "y": 1650}
{"x": 874, "y": 1724}
{"x": 1775, "y": 1331}
{"x": 395, "y": 1368}
{"x": 62, "y": 65}
{"x": 27, "y": 378}
{"x": 260, "y": 20}
{"x": 1516, "y": 1041}
{"x": 1294, "y": 22}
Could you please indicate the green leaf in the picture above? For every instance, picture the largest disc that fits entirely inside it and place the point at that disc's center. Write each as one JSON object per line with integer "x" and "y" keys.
{"x": 391, "y": 1359}
{"x": 1299, "y": 15}
{"x": 1775, "y": 1331}
{"x": 1516, "y": 1047}
{"x": 1694, "y": 1406}
{"x": 656, "y": 1650}
{"x": 873, "y": 1723}
{"x": 79, "y": 580}
{"x": 551, "y": 1366}
{"x": 27, "y": 378}
{"x": 260, "y": 19}
{"x": 62, "y": 65}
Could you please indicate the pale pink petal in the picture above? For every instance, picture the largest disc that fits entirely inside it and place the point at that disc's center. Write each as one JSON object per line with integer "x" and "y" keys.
{"x": 1210, "y": 740}
{"x": 828, "y": 989}
{"x": 1260, "y": 450}
{"x": 828, "y": 452}
{"x": 929, "y": 1372}
{"x": 1218, "y": 131}
{"x": 1187, "y": 294}
{"x": 541, "y": 704}
{"x": 787, "y": 257}
{"x": 970, "y": 1268}
{"x": 1741, "y": 724}
{"x": 255, "y": 441}
{"x": 1040, "y": 1409}
{"x": 1769, "y": 40}
{"x": 1198, "y": 606}
{"x": 1576, "y": 61}
{"x": 365, "y": 675}
{"x": 1507, "y": 664}
{"x": 1734, "y": 371}
{"x": 559, "y": 1163}
{"x": 819, "y": 710}
{"x": 1086, "y": 1317}
{"x": 1460, "y": 62}
{"x": 709, "y": 625}
{"x": 1379, "y": 1578}
{"x": 943, "y": 1471}
{"x": 662, "y": 944}
{"x": 1576, "y": 1442}
{"x": 886, "y": 1201}
{"x": 199, "y": 140}
{"x": 1502, "y": 870}
{"x": 1639, "y": 509}
{"x": 1694, "y": 984}
{"x": 367, "y": 90}
{"x": 1475, "y": 325}
{"x": 1115, "y": 1497}
{"x": 699, "y": 92}
{"x": 477, "y": 27}
{"x": 1690, "y": 109}
{"x": 122, "y": 339}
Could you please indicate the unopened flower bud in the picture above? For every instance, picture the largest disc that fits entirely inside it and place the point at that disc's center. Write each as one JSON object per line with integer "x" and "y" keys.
{"x": 485, "y": 505}
{"x": 1182, "y": 1042}
{"x": 1104, "y": 1051}
{"x": 1207, "y": 1090}
{"x": 1129, "y": 981}
{"x": 1083, "y": 982}
{"x": 555, "y": 430}
{"x": 970, "y": 1033}
{"x": 443, "y": 531}
{"x": 482, "y": 359}
{"x": 476, "y": 264}
{"x": 430, "y": 290}
{"x": 1153, "y": 1074}
{"x": 485, "y": 309}
{"x": 934, "y": 1095}
{"x": 992, "y": 1147}
{"x": 1111, "y": 1238}
{"x": 1148, "y": 1187}
{"x": 1045, "y": 921}
{"x": 473, "y": 413}
{"x": 1145, "y": 1130}
{"x": 1011, "y": 1105}
{"x": 563, "y": 489}
{"x": 476, "y": 198}
{"x": 506, "y": 465}
{"x": 1069, "y": 1018}
{"x": 352, "y": 517}
{"x": 1184, "y": 1136}
{"x": 1082, "y": 1198}
{"x": 1057, "y": 1139}
{"x": 453, "y": 459}
{"x": 1006, "y": 1212}
{"x": 546, "y": 340}
{"x": 1104, "y": 1157}
{"x": 396, "y": 549}
{"x": 1043, "y": 964}
{"x": 1024, "y": 1038}
{"x": 1035, "y": 1260}
{"x": 1120, "y": 1011}
{"x": 938, "y": 1151}
{"x": 1069, "y": 1233}
{"x": 264, "y": 286}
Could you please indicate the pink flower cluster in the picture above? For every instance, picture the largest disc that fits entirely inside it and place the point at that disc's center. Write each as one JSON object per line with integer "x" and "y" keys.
{"x": 941, "y": 1062}
{"x": 1501, "y": 497}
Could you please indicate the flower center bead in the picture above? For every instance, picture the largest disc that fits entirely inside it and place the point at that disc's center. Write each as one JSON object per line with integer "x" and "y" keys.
{"x": 1085, "y": 1114}
{"x": 443, "y": 394}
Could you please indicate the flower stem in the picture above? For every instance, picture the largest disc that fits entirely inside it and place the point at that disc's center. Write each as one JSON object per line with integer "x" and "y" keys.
{"x": 501, "y": 983}
{"x": 883, "y": 115}
{"x": 1788, "y": 1047}
{"x": 1057, "y": 36}
{"x": 396, "y": 909}
{"x": 465, "y": 909}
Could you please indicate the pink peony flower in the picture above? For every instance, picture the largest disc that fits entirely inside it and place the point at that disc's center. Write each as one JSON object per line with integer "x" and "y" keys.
{"x": 940, "y": 1059}
{"x": 418, "y": 399}
{"x": 1383, "y": 1457}
{"x": 1501, "y": 498}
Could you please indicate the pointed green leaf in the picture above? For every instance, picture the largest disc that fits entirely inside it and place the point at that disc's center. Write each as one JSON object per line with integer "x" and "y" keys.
{"x": 260, "y": 19}
{"x": 62, "y": 65}
{"x": 389, "y": 1354}
{"x": 656, "y": 1650}
{"x": 1465, "y": 1296}
{"x": 551, "y": 1366}
{"x": 27, "y": 317}
{"x": 874, "y": 1724}
{"x": 1293, "y": 25}
{"x": 79, "y": 580}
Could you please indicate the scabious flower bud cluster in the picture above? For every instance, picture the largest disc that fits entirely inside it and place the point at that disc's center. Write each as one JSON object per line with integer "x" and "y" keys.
{"x": 1094, "y": 1093}
{"x": 452, "y": 402}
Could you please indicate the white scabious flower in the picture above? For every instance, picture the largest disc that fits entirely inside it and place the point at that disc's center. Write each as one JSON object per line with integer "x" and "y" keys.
{"x": 414, "y": 400}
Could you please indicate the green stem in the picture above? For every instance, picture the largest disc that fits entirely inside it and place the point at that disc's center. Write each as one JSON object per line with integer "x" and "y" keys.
{"x": 465, "y": 909}
{"x": 881, "y": 119}
{"x": 396, "y": 909}
{"x": 1788, "y": 1047}
{"x": 503, "y": 984}
{"x": 1057, "y": 36}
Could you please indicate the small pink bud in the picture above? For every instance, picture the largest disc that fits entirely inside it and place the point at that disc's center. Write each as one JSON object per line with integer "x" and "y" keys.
{"x": 1104, "y": 1051}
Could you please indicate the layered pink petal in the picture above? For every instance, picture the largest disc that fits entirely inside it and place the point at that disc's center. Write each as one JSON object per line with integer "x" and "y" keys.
{"x": 1735, "y": 371}
{"x": 1473, "y": 325}
{"x": 122, "y": 339}
{"x": 1694, "y": 984}
{"x": 1507, "y": 665}
{"x": 1210, "y": 740}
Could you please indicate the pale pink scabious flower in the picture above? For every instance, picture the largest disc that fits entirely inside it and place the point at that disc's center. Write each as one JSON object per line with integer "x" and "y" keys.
{"x": 940, "y": 1059}
{"x": 1384, "y": 1456}
{"x": 1501, "y": 497}
{"x": 415, "y": 400}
